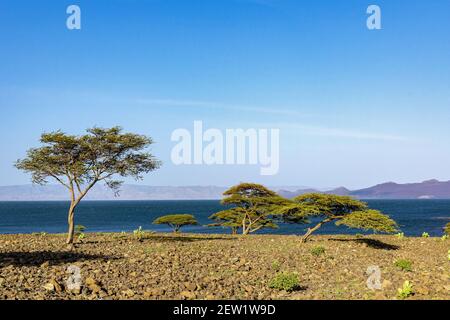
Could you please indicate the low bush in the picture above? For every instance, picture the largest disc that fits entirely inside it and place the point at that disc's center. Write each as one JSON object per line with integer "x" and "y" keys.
{"x": 406, "y": 291}
{"x": 286, "y": 281}
{"x": 317, "y": 251}
{"x": 404, "y": 265}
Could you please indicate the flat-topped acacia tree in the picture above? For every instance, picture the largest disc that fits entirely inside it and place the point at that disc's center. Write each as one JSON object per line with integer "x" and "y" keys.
{"x": 343, "y": 210}
{"x": 80, "y": 162}
{"x": 253, "y": 207}
{"x": 177, "y": 221}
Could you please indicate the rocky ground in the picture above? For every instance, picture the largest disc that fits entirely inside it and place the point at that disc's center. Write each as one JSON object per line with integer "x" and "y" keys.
{"x": 164, "y": 266}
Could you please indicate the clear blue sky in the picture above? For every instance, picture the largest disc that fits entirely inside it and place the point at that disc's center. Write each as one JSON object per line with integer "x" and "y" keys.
{"x": 355, "y": 107}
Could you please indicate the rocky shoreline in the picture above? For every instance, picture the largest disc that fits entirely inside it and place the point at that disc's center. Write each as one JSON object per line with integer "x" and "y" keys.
{"x": 187, "y": 266}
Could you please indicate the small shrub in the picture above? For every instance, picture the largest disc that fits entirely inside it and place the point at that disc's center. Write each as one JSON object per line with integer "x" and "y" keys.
{"x": 285, "y": 281}
{"x": 444, "y": 237}
{"x": 400, "y": 235}
{"x": 139, "y": 234}
{"x": 448, "y": 255}
{"x": 79, "y": 228}
{"x": 177, "y": 221}
{"x": 403, "y": 264}
{"x": 425, "y": 235}
{"x": 317, "y": 251}
{"x": 81, "y": 236}
{"x": 42, "y": 234}
{"x": 276, "y": 265}
{"x": 406, "y": 291}
{"x": 447, "y": 229}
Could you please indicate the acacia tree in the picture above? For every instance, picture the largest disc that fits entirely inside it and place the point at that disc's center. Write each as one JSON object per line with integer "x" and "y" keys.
{"x": 228, "y": 219}
{"x": 80, "y": 162}
{"x": 254, "y": 207}
{"x": 176, "y": 221}
{"x": 343, "y": 210}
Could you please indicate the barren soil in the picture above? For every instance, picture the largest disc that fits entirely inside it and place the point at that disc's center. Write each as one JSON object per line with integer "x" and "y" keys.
{"x": 167, "y": 266}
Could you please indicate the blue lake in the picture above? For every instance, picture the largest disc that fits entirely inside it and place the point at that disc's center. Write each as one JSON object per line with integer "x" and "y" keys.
{"x": 413, "y": 216}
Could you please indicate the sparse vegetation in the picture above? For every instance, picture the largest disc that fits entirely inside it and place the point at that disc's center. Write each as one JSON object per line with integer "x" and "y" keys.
{"x": 317, "y": 251}
{"x": 276, "y": 265}
{"x": 425, "y": 235}
{"x": 286, "y": 281}
{"x": 139, "y": 234}
{"x": 447, "y": 229}
{"x": 406, "y": 291}
{"x": 404, "y": 265}
{"x": 400, "y": 235}
{"x": 79, "y": 231}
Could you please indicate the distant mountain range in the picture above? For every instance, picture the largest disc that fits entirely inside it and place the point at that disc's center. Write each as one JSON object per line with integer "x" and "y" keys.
{"x": 431, "y": 189}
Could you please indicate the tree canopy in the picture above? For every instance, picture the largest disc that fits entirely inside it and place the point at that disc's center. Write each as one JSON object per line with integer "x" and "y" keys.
{"x": 176, "y": 221}
{"x": 79, "y": 162}
{"x": 447, "y": 229}
{"x": 253, "y": 207}
{"x": 343, "y": 210}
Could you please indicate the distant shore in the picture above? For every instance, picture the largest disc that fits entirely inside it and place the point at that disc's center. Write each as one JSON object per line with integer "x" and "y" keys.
{"x": 199, "y": 266}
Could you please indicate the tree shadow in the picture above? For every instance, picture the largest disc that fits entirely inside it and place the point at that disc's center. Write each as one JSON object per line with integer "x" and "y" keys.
{"x": 37, "y": 258}
{"x": 371, "y": 243}
{"x": 185, "y": 238}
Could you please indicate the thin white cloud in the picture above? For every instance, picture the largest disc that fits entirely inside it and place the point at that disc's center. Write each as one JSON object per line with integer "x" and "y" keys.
{"x": 216, "y": 105}
{"x": 343, "y": 133}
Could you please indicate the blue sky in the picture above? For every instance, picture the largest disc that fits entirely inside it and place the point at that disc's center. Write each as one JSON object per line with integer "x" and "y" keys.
{"x": 354, "y": 107}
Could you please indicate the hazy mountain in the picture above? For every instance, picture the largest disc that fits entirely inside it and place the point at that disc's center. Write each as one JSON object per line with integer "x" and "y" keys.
{"x": 431, "y": 189}
{"x": 127, "y": 192}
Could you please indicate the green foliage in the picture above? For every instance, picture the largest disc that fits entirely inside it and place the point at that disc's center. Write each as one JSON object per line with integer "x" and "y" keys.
{"x": 400, "y": 235}
{"x": 276, "y": 265}
{"x": 444, "y": 237}
{"x": 343, "y": 210}
{"x": 404, "y": 265}
{"x": 79, "y": 228}
{"x": 369, "y": 220}
{"x": 330, "y": 204}
{"x": 79, "y": 162}
{"x": 139, "y": 234}
{"x": 42, "y": 234}
{"x": 406, "y": 291}
{"x": 81, "y": 236}
{"x": 98, "y": 155}
{"x": 176, "y": 221}
{"x": 317, "y": 251}
{"x": 253, "y": 207}
{"x": 425, "y": 235}
{"x": 285, "y": 281}
{"x": 447, "y": 229}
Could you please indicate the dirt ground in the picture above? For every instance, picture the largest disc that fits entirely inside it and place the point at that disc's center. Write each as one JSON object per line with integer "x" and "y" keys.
{"x": 219, "y": 267}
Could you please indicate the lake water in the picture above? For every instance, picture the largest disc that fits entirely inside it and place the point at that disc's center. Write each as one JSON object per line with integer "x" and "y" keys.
{"x": 413, "y": 216}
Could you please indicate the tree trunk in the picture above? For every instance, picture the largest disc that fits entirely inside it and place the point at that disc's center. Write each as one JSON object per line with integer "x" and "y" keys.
{"x": 312, "y": 230}
{"x": 71, "y": 223}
